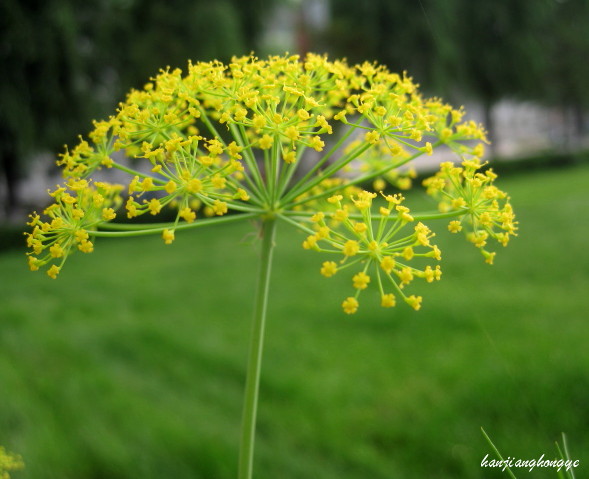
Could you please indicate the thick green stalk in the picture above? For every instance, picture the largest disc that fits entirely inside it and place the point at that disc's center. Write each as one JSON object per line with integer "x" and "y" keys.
{"x": 250, "y": 406}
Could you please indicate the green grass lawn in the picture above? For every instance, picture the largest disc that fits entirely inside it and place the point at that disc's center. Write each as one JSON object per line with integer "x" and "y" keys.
{"x": 132, "y": 363}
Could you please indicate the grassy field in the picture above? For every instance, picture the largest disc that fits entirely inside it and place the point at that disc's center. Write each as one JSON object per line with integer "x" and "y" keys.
{"x": 132, "y": 364}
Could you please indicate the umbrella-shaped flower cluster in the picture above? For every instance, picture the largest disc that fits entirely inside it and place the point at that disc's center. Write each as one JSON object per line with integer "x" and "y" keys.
{"x": 286, "y": 138}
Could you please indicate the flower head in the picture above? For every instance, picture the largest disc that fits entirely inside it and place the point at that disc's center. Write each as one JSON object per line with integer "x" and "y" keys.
{"x": 470, "y": 189}
{"x": 288, "y": 138}
{"x": 385, "y": 248}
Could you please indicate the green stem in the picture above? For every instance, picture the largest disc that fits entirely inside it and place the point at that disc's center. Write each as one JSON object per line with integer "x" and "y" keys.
{"x": 423, "y": 216}
{"x": 326, "y": 157}
{"x": 123, "y": 229}
{"x": 131, "y": 171}
{"x": 250, "y": 406}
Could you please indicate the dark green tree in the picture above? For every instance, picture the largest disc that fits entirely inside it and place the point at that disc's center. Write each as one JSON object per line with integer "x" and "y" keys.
{"x": 406, "y": 36}
{"x": 566, "y": 48}
{"x": 488, "y": 50}
{"x": 66, "y": 61}
{"x": 499, "y": 52}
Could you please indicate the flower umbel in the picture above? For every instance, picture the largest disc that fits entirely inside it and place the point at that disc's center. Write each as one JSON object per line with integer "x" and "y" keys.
{"x": 228, "y": 142}
{"x": 383, "y": 244}
{"x": 487, "y": 213}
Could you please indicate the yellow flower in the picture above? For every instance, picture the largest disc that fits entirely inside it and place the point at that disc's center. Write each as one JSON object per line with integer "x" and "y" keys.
{"x": 387, "y": 264}
{"x": 405, "y": 275}
{"x": 361, "y": 280}
{"x": 388, "y": 300}
{"x": 266, "y": 142}
{"x": 310, "y": 242}
{"x": 108, "y": 214}
{"x": 328, "y": 269}
{"x": 53, "y": 271}
{"x": 351, "y": 248}
{"x": 56, "y": 251}
{"x": 350, "y": 305}
{"x": 360, "y": 227}
{"x": 408, "y": 253}
{"x": 372, "y": 137}
{"x": 86, "y": 246}
{"x": 187, "y": 214}
{"x": 193, "y": 185}
{"x": 154, "y": 206}
{"x": 454, "y": 226}
{"x": 317, "y": 144}
{"x": 168, "y": 236}
{"x": 289, "y": 157}
{"x": 414, "y": 302}
{"x": 292, "y": 133}
{"x": 257, "y": 119}
{"x": 9, "y": 462}
{"x": 219, "y": 207}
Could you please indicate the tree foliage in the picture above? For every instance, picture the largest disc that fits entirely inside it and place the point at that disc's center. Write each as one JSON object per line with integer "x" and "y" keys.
{"x": 65, "y": 61}
{"x": 531, "y": 49}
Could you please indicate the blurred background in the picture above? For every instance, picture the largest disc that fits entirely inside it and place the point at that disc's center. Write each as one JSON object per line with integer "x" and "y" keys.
{"x": 102, "y": 376}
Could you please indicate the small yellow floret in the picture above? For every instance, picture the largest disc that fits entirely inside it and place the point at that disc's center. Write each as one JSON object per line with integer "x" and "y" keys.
{"x": 77, "y": 214}
{"x": 170, "y": 187}
{"x": 303, "y": 114}
{"x": 372, "y": 137}
{"x": 108, "y": 214}
{"x": 266, "y": 142}
{"x": 219, "y": 207}
{"x": 361, "y": 280}
{"x": 388, "y": 300}
{"x": 454, "y": 226}
{"x": 350, "y": 305}
{"x": 351, "y": 248}
{"x": 317, "y": 144}
{"x": 168, "y": 236}
{"x": 335, "y": 199}
{"x": 328, "y": 269}
{"x": 154, "y": 206}
{"x": 310, "y": 242}
{"x": 187, "y": 214}
{"x": 414, "y": 302}
{"x": 86, "y": 246}
{"x": 33, "y": 263}
{"x": 56, "y": 251}
{"x": 387, "y": 264}
{"x": 360, "y": 227}
{"x": 408, "y": 253}
{"x": 242, "y": 194}
{"x": 405, "y": 275}
{"x": 289, "y": 157}
{"x": 259, "y": 122}
{"x": 81, "y": 235}
{"x": 218, "y": 181}
{"x": 53, "y": 271}
{"x": 489, "y": 257}
{"x": 292, "y": 133}
{"x": 194, "y": 185}
{"x": 404, "y": 213}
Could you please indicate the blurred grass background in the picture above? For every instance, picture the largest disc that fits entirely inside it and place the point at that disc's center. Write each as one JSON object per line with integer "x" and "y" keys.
{"x": 132, "y": 365}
